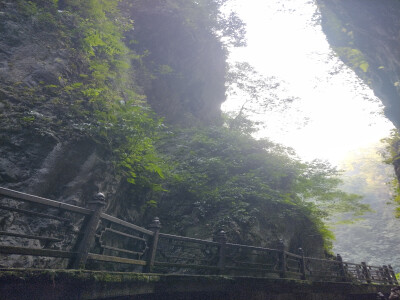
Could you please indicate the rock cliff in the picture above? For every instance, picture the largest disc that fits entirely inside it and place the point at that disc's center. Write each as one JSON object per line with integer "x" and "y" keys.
{"x": 76, "y": 82}
{"x": 366, "y": 36}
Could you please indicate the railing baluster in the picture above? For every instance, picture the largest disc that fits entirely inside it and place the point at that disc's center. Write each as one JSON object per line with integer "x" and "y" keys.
{"x": 302, "y": 264}
{"x": 282, "y": 259}
{"x": 387, "y": 274}
{"x": 366, "y": 272}
{"x": 155, "y": 226}
{"x": 383, "y": 275}
{"x": 221, "y": 239}
{"x": 97, "y": 205}
{"x": 342, "y": 270}
{"x": 393, "y": 275}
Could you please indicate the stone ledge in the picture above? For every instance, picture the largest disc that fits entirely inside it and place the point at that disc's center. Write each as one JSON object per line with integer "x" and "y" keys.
{"x": 83, "y": 284}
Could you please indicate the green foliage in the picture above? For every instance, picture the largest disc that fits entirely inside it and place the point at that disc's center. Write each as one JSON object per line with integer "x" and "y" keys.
{"x": 253, "y": 94}
{"x": 165, "y": 69}
{"x": 392, "y": 147}
{"x": 391, "y": 156}
{"x": 28, "y": 119}
{"x": 27, "y": 8}
{"x": 216, "y": 174}
{"x": 99, "y": 33}
{"x": 353, "y": 57}
{"x": 335, "y": 27}
{"x": 207, "y": 15}
{"x": 122, "y": 119}
{"x": 227, "y": 176}
{"x": 131, "y": 131}
{"x": 42, "y": 13}
{"x": 321, "y": 183}
{"x": 346, "y": 41}
{"x": 101, "y": 100}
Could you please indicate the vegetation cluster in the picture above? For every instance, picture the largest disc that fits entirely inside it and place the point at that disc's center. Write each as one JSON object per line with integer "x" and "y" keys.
{"x": 344, "y": 42}
{"x": 123, "y": 56}
{"x": 392, "y": 157}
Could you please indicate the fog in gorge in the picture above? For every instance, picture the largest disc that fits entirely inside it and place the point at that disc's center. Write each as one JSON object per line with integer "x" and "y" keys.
{"x": 333, "y": 116}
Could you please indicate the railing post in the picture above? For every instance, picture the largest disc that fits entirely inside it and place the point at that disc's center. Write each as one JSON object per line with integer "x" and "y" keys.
{"x": 154, "y": 226}
{"x": 221, "y": 239}
{"x": 302, "y": 264}
{"x": 342, "y": 270}
{"x": 382, "y": 275}
{"x": 387, "y": 274}
{"x": 97, "y": 205}
{"x": 366, "y": 272}
{"x": 392, "y": 274}
{"x": 282, "y": 259}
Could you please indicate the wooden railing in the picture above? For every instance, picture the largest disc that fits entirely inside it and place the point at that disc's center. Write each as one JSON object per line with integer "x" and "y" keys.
{"x": 82, "y": 237}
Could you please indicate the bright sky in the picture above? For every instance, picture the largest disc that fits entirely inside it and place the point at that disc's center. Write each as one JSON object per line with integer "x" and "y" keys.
{"x": 342, "y": 113}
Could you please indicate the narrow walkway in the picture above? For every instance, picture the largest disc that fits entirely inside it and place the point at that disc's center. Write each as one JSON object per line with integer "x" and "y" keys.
{"x": 74, "y": 284}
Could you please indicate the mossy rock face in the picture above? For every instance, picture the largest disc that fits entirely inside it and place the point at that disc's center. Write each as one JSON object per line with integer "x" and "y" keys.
{"x": 75, "y": 121}
{"x": 365, "y": 35}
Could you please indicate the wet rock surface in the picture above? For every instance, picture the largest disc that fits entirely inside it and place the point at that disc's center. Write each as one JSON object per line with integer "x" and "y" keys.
{"x": 45, "y": 151}
{"x": 372, "y": 27}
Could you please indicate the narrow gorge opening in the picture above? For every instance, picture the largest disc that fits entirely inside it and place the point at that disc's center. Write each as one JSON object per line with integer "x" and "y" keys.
{"x": 312, "y": 101}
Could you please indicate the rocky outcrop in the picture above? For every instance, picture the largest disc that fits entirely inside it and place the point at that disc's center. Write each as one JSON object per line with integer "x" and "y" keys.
{"x": 186, "y": 60}
{"x": 39, "y": 152}
{"x": 366, "y": 36}
{"x": 47, "y": 150}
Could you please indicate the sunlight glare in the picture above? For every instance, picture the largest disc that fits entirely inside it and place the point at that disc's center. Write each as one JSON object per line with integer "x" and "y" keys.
{"x": 336, "y": 113}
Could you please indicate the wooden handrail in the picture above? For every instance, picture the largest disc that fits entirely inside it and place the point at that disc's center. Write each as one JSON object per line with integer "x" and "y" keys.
{"x": 115, "y": 220}
{"x": 39, "y": 200}
{"x": 226, "y": 256}
{"x": 252, "y": 247}
{"x": 187, "y": 239}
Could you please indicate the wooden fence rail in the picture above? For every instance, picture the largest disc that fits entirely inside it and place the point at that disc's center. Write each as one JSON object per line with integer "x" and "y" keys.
{"x": 94, "y": 237}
